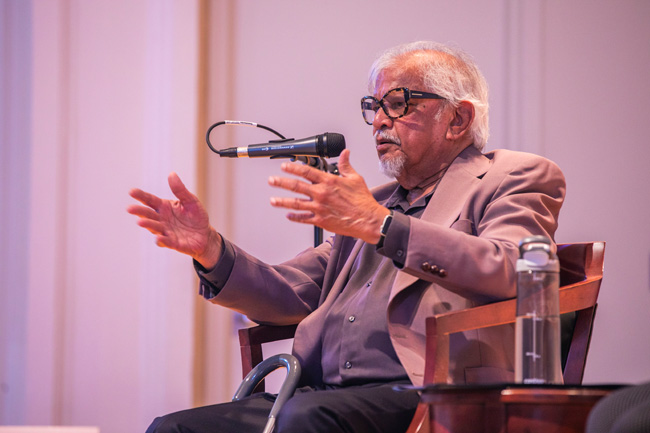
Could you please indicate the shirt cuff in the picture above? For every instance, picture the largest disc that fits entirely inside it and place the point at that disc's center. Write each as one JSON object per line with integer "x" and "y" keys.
{"x": 396, "y": 240}
{"x": 213, "y": 280}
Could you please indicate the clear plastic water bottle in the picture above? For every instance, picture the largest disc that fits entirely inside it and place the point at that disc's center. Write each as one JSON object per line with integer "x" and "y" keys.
{"x": 537, "y": 330}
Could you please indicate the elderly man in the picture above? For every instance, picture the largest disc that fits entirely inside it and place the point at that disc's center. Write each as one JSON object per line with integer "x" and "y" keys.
{"x": 443, "y": 237}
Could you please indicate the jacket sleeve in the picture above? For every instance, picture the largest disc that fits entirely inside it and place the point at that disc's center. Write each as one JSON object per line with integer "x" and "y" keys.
{"x": 271, "y": 294}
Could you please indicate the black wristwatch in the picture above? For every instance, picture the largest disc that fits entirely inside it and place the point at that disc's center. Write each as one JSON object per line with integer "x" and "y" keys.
{"x": 384, "y": 229}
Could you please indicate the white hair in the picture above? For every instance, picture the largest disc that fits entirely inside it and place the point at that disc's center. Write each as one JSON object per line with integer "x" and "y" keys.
{"x": 454, "y": 76}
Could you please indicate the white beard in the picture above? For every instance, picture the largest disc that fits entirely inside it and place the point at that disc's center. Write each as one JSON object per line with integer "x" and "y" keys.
{"x": 392, "y": 166}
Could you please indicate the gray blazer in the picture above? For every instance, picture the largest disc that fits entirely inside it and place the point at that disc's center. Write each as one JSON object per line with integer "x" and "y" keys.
{"x": 484, "y": 205}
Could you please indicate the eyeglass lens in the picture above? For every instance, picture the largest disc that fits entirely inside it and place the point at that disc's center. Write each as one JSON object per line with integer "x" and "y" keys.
{"x": 393, "y": 103}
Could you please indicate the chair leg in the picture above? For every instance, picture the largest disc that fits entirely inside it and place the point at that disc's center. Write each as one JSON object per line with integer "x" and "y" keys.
{"x": 575, "y": 365}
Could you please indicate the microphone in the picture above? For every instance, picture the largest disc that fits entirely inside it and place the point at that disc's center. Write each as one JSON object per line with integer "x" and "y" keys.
{"x": 327, "y": 145}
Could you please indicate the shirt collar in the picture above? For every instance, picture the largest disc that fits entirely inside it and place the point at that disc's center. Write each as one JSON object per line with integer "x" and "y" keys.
{"x": 397, "y": 200}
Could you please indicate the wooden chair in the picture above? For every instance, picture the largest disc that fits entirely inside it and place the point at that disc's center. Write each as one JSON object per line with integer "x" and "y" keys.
{"x": 581, "y": 271}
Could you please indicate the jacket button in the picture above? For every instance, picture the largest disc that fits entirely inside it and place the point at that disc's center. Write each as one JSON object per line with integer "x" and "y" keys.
{"x": 434, "y": 269}
{"x": 442, "y": 273}
{"x": 426, "y": 267}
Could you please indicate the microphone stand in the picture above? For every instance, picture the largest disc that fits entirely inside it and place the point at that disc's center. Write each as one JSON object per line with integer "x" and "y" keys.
{"x": 323, "y": 165}
{"x": 318, "y": 236}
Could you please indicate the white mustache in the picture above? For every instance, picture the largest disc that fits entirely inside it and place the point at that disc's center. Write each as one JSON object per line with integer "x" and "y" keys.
{"x": 387, "y": 135}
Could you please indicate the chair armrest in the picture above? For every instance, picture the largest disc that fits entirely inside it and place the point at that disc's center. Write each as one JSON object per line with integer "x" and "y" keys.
{"x": 573, "y": 297}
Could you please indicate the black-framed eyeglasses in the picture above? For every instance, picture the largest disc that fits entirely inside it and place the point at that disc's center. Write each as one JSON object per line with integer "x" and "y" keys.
{"x": 395, "y": 103}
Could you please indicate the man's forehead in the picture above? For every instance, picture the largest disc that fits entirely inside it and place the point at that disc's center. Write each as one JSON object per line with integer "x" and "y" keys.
{"x": 393, "y": 77}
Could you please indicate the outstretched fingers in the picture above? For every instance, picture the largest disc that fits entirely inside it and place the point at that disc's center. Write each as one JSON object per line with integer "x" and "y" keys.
{"x": 143, "y": 212}
{"x": 153, "y": 226}
{"x": 147, "y": 199}
{"x": 311, "y": 174}
{"x": 149, "y": 212}
{"x": 345, "y": 168}
{"x": 179, "y": 189}
{"x": 305, "y": 218}
{"x": 290, "y": 184}
{"x": 294, "y": 203}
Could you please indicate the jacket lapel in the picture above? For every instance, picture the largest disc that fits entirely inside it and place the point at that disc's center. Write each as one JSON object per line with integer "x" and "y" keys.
{"x": 449, "y": 198}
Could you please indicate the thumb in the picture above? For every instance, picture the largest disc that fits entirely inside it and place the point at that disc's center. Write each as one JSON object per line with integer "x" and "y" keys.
{"x": 344, "y": 164}
{"x": 178, "y": 188}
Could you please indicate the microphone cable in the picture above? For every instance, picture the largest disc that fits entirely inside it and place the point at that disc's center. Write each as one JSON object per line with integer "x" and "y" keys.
{"x": 237, "y": 122}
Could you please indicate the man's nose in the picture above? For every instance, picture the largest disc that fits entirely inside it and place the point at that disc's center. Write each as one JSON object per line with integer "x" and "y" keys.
{"x": 381, "y": 120}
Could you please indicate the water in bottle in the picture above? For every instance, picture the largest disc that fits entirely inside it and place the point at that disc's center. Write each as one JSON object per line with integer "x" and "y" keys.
{"x": 537, "y": 329}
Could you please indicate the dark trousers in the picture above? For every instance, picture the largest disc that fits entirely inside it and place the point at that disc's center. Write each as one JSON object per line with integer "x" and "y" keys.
{"x": 360, "y": 409}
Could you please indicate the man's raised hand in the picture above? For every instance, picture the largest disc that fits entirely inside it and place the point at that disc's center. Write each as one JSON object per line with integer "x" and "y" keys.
{"x": 182, "y": 225}
{"x": 340, "y": 204}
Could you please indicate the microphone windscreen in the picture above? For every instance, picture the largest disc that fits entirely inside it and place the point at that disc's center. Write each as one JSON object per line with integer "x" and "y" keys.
{"x": 334, "y": 144}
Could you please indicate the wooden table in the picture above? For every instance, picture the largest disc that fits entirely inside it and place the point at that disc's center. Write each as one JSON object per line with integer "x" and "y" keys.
{"x": 511, "y": 408}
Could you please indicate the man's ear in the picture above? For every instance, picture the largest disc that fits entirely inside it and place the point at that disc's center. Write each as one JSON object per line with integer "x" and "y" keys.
{"x": 462, "y": 120}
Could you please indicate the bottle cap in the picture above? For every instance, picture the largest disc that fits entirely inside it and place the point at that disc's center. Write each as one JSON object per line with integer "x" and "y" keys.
{"x": 536, "y": 254}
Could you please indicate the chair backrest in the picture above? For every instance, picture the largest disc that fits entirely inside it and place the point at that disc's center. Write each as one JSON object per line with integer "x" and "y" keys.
{"x": 251, "y": 341}
{"x": 581, "y": 272}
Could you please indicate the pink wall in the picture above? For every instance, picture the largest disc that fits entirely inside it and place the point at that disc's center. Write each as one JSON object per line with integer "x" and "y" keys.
{"x": 568, "y": 81}
{"x": 596, "y": 107}
{"x": 107, "y": 323}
